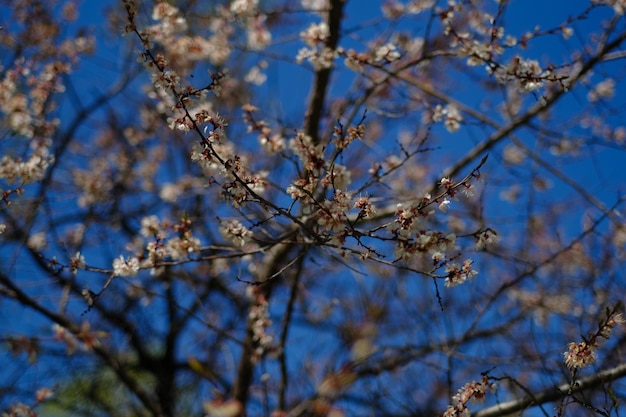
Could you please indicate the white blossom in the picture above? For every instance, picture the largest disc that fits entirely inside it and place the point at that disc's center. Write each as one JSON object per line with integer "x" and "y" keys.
{"x": 125, "y": 267}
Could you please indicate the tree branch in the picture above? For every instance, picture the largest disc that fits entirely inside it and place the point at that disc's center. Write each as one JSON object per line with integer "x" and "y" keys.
{"x": 553, "y": 394}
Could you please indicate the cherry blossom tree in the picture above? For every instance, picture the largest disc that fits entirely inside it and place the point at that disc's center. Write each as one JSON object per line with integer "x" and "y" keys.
{"x": 312, "y": 207}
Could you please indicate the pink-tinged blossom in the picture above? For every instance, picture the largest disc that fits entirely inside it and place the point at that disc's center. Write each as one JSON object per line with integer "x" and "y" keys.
{"x": 470, "y": 392}
{"x": 353, "y": 60}
{"x": 457, "y": 275}
{"x": 365, "y": 207}
{"x": 581, "y": 354}
{"x": 485, "y": 239}
{"x": 43, "y": 394}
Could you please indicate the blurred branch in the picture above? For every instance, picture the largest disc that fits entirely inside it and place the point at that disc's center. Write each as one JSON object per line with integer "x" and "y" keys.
{"x": 322, "y": 77}
{"x": 112, "y": 362}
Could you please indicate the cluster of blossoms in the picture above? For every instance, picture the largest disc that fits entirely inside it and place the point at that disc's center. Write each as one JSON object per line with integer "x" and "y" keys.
{"x": 333, "y": 217}
{"x": 450, "y": 116}
{"x": 356, "y": 61}
{"x": 271, "y": 142}
{"x": 584, "y": 353}
{"x": 220, "y": 159}
{"x": 485, "y": 238}
{"x": 394, "y": 9}
{"x": 487, "y": 42}
{"x": 527, "y": 73}
{"x": 159, "y": 247}
{"x": 185, "y": 51}
{"x": 411, "y": 237}
{"x": 22, "y": 410}
{"x": 259, "y": 321}
{"x": 18, "y": 170}
{"x": 257, "y": 34}
{"x": 317, "y": 53}
{"x": 123, "y": 267}
{"x": 85, "y": 339}
{"x": 344, "y": 137}
{"x": 234, "y": 231}
{"x": 314, "y": 4}
{"x": 457, "y": 275}
{"x": 472, "y": 391}
{"x": 311, "y": 154}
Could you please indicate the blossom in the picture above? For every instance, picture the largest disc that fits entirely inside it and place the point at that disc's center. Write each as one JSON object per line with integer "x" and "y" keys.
{"x": 181, "y": 247}
{"x": 445, "y": 182}
{"x": 365, "y": 207}
{"x": 258, "y": 35}
{"x": 255, "y": 75}
{"x": 150, "y": 226}
{"x": 77, "y": 262}
{"x": 386, "y": 52}
{"x": 333, "y": 214}
{"x": 234, "y": 231}
{"x": 485, "y": 239}
{"x": 580, "y": 354}
{"x": 43, "y": 394}
{"x": 314, "y": 4}
{"x": 450, "y": 115}
{"x": 125, "y": 267}
{"x": 339, "y": 177}
{"x": 459, "y": 274}
{"x": 603, "y": 90}
{"x": 316, "y": 33}
{"x": 472, "y": 391}
{"x": 443, "y": 205}
{"x": 240, "y": 7}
